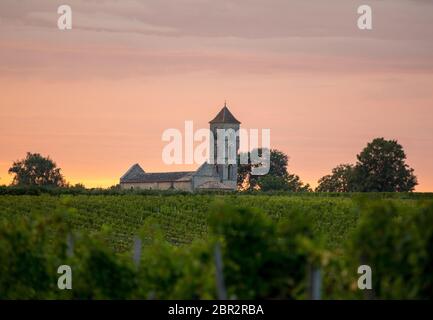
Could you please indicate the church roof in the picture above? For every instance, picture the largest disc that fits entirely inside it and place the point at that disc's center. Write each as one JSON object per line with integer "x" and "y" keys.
{"x": 224, "y": 116}
{"x": 133, "y": 173}
{"x": 136, "y": 175}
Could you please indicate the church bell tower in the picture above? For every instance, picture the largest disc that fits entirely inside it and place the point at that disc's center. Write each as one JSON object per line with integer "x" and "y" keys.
{"x": 225, "y": 126}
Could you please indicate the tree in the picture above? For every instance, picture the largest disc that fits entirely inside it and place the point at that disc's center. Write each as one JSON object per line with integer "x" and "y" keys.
{"x": 295, "y": 184}
{"x": 270, "y": 183}
{"x": 36, "y": 170}
{"x": 381, "y": 167}
{"x": 277, "y": 178}
{"x": 341, "y": 180}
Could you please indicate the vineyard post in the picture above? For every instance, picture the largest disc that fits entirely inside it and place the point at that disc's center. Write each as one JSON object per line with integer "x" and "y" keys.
{"x": 315, "y": 283}
{"x": 137, "y": 251}
{"x": 221, "y": 289}
{"x": 70, "y": 245}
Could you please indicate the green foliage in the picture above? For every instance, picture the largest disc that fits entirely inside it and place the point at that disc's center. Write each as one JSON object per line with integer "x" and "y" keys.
{"x": 262, "y": 259}
{"x": 278, "y": 178}
{"x": 341, "y": 180}
{"x": 295, "y": 184}
{"x": 36, "y": 170}
{"x": 182, "y": 218}
{"x": 381, "y": 167}
{"x": 99, "y": 273}
{"x": 28, "y": 258}
{"x": 396, "y": 242}
{"x": 171, "y": 272}
{"x": 266, "y": 251}
{"x": 271, "y": 183}
{"x": 289, "y": 183}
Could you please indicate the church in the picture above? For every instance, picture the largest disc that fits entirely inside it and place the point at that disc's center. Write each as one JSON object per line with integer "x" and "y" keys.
{"x": 206, "y": 177}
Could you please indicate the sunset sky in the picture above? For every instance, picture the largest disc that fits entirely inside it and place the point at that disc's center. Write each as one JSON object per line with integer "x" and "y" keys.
{"x": 97, "y": 98}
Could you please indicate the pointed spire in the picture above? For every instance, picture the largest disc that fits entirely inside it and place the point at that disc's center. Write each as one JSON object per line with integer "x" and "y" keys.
{"x": 224, "y": 116}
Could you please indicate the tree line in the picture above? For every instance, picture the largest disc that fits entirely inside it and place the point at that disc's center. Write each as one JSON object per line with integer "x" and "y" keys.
{"x": 380, "y": 167}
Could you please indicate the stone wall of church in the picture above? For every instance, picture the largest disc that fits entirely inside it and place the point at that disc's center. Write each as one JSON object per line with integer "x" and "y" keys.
{"x": 178, "y": 185}
{"x": 198, "y": 180}
{"x": 183, "y": 185}
{"x": 231, "y": 183}
{"x": 143, "y": 185}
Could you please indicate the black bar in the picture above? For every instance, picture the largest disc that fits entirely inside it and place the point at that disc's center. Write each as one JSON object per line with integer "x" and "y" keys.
{"x": 174, "y": 309}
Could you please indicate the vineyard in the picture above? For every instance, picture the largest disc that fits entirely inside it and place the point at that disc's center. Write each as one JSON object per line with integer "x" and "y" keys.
{"x": 182, "y": 218}
{"x": 268, "y": 243}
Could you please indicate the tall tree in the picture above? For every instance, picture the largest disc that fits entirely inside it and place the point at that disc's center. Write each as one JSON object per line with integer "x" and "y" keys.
{"x": 36, "y": 170}
{"x": 340, "y": 180}
{"x": 278, "y": 178}
{"x": 381, "y": 167}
